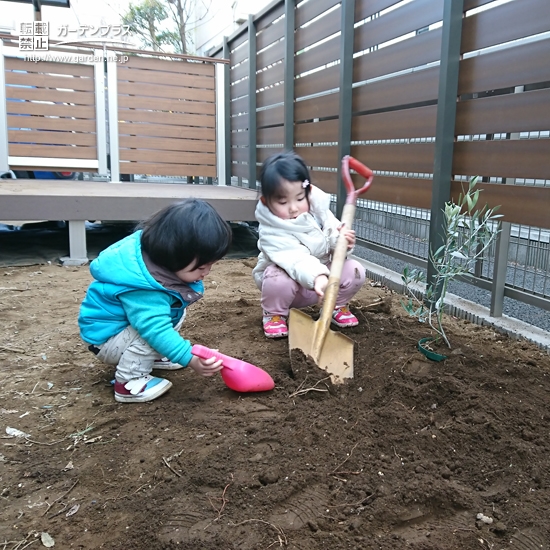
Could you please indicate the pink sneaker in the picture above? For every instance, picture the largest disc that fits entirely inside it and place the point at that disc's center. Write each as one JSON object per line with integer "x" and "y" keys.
{"x": 344, "y": 318}
{"x": 275, "y": 326}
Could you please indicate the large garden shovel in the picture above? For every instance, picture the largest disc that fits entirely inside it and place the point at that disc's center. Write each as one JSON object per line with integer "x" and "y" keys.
{"x": 329, "y": 350}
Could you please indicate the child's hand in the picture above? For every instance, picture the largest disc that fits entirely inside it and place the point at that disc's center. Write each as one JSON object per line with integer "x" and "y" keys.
{"x": 320, "y": 285}
{"x": 349, "y": 234}
{"x": 205, "y": 367}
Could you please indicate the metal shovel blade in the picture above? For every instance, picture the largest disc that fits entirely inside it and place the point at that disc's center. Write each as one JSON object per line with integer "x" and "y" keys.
{"x": 335, "y": 355}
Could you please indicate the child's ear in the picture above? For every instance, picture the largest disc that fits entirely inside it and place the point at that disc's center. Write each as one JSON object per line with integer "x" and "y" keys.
{"x": 263, "y": 201}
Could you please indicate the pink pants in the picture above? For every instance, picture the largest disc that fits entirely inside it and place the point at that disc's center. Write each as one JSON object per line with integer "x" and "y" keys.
{"x": 280, "y": 292}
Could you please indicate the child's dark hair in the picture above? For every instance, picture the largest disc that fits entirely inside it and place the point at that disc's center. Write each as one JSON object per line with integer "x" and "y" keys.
{"x": 287, "y": 165}
{"x": 183, "y": 233}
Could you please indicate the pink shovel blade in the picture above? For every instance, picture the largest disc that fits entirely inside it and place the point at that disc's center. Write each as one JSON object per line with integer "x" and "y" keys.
{"x": 247, "y": 378}
{"x": 238, "y": 375}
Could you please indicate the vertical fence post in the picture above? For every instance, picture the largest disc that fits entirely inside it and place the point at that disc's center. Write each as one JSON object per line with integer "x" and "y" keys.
{"x": 219, "y": 69}
{"x": 502, "y": 247}
{"x": 453, "y": 11}
{"x": 252, "y": 153}
{"x": 100, "y": 110}
{"x": 112, "y": 106}
{"x": 290, "y": 27}
{"x": 227, "y": 111}
{"x": 4, "y": 162}
{"x": 346, "y": 94}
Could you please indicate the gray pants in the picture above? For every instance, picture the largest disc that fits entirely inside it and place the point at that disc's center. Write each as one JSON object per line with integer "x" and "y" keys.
{"x": 131, "y": 354}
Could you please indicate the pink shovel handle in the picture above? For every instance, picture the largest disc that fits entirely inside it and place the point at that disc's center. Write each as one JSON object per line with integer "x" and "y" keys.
{"x": 206, "y": 353}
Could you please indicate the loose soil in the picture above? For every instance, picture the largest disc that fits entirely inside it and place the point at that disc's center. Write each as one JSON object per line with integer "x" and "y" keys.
{"x": 410, "y": 453}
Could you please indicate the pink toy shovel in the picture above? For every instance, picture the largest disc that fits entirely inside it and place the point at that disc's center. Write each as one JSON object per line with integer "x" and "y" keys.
{"x": 238, "y": 375}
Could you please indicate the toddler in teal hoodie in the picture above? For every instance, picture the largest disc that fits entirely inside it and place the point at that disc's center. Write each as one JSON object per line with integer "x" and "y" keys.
{"x": 135, "y": 306}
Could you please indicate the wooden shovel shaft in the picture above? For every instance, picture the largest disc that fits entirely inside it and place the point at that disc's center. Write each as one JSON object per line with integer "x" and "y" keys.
{"x": 331, "y": 292}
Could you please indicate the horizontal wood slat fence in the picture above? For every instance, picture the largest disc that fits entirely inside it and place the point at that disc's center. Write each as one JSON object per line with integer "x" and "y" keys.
{"x": 168, "y": 95}
{"x": 46, "y": 129}
{"x": 158, "y": 115}
{"x": 395, "y": 92}
{"x": 374, "y": 78}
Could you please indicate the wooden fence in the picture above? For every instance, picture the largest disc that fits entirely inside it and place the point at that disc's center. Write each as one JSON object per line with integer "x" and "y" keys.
{"x": 51, "y": 111}
{"x": 166, "y": 117}
{"x": 60, "y": 110}
{"x": 427, "y": 93}
{"x": 365, "y": 77}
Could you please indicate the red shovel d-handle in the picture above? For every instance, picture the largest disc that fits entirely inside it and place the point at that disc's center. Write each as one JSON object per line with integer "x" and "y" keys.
{"x": 352, "y": 193}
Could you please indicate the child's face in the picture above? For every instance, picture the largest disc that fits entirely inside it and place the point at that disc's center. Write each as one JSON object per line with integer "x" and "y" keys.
{"x": 290, "y": 201}
{"x": 191, "y": 274}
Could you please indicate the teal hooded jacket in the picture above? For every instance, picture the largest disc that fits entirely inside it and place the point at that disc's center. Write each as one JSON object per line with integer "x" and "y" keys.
{"x": 125, "y": 293}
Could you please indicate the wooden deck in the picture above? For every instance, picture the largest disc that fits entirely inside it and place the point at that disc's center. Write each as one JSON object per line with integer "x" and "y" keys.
{"x": 22, "y": 199}
{"x": 78, "y": 201}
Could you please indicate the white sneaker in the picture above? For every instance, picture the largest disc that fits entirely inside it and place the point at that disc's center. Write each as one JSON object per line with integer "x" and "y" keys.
{"x": 166, "y": 364}
{"x": 139, "y": 390}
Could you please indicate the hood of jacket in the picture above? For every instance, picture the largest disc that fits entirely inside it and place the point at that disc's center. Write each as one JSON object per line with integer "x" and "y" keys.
{"x": 119, "y": 269}
{"x": 122, "y": 265}
{"x": 319, "y": 203}
{"x": 302, "y": 246}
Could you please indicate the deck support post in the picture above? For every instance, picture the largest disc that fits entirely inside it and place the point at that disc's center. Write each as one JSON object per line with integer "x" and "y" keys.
{"x": 78, "y": 254}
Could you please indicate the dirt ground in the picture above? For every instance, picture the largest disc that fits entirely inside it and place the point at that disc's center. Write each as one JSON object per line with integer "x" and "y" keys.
{"x": 410, "y": 453}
